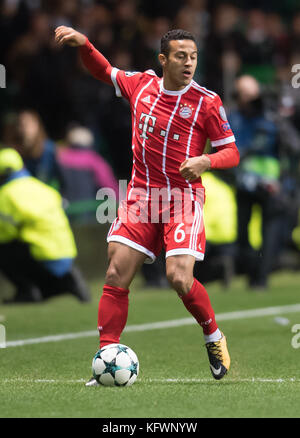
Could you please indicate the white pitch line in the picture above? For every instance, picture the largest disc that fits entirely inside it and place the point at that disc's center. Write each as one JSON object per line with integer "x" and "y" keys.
{"x": 52, "y": 338}
{"x": 162, "y": 381}
{"x": 246, "y": 380}
{"x": 228, "y": 316}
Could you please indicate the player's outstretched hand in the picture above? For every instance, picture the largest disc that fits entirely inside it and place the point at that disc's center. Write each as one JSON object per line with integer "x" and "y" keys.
{"x": 192, "y": 168}
{"x": 69, "y": 36}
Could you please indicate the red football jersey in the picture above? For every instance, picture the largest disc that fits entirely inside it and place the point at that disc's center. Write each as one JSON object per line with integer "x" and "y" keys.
{"x": 169, "y": 127}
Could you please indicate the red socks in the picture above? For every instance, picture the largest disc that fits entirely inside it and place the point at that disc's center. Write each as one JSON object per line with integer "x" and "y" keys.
{"x": 113, "y": 311}
{"x": 112, "y": 314}
{"x": 197, "y": 302}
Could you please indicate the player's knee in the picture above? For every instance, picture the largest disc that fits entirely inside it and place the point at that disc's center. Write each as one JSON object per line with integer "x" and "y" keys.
{"x": 113, "y": 276}
{"x": 179, "y": 280}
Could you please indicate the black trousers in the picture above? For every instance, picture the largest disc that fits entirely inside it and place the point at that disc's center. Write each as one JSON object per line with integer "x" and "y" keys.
{"x": 218, "y": 264}
{"x": 27, "y": 274}
{"x": 258, "y": 264}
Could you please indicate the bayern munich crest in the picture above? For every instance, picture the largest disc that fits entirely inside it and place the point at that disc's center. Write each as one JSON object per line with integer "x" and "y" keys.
{"x": 186, "y": 111}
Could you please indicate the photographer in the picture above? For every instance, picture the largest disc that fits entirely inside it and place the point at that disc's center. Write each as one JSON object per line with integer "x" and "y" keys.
{"x": 257, "y": 181}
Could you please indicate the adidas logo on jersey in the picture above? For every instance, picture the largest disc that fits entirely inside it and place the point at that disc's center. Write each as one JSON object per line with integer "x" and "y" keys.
{"x": 146, "y": 99}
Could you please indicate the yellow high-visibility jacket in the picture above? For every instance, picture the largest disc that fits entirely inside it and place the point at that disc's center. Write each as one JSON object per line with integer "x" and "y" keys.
{"x": 31, "y": 212}
{"x": 220, "y": 210}
{"x": 220, "y": 213}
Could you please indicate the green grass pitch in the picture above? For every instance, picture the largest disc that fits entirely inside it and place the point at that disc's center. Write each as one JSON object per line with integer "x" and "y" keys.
{"x": 46, "y": 379}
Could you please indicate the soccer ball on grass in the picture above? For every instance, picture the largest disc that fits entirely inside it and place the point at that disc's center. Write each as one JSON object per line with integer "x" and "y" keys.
{"x": 115, "y": 365}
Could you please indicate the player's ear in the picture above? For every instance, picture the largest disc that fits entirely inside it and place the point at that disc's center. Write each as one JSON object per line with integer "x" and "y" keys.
{"x": 162, "y": 59}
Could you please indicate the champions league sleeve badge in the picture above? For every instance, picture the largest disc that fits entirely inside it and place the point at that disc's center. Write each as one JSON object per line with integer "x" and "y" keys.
{"x": 226, "y": 127}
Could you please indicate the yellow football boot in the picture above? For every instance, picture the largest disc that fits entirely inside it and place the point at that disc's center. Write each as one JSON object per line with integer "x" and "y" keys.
{"x": 219, "y": 359}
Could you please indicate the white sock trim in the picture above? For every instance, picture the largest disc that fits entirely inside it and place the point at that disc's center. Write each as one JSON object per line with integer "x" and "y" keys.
{"x": 213, "y": 337}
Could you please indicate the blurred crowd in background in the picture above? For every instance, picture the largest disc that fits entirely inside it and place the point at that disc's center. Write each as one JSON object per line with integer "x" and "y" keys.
{"x": 73, "y": 134}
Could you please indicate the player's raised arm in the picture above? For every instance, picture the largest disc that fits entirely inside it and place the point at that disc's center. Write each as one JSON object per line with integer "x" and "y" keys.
{"x": 93, "y": 60}
{"x": 124, "y": 82}
{"x": 69, "y": 36}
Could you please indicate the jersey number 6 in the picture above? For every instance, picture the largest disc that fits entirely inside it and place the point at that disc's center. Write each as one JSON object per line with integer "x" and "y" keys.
{"x": 179, "y": 234}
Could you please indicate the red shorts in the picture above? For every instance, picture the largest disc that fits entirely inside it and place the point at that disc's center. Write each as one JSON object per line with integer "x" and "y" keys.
{"x": 178, "y": 233}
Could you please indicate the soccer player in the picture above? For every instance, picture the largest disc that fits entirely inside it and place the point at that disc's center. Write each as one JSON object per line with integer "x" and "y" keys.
{"x": 172, "y": 118}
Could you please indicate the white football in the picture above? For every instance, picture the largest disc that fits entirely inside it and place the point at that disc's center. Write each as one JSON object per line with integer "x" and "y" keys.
{"x": 115, "y": 365}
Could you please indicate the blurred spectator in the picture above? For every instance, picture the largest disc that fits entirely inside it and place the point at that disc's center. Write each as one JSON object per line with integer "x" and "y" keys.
{"x": 257, "y": 180}
{"x": 125, "y": 22}
{"x": 83, "y": 170}
{"x": 260, "y": 47}
{"x": 161, "y": 8}
{"x": 89, "y": 101}
{"x": 63, "y": 13}
{"x": 37, "y": 247}
{"x": 116, "y": 122}
{"x": 224, "y": 49}
{"x": 28, "y": 46}
{"x": 259, "y": 58}
{"x": 294, "y": 37}
{"x": 288, "y": 119}
{"x": 26, "y": 133}
{"x": 193, "y": 17}
{"x": 147, "y": 48}
{"x": 279, "y": 35}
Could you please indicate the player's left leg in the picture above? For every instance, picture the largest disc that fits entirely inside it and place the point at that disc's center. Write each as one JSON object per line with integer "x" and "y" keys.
{"x": 194, "y": 296}
{"x": 179, "y": 271}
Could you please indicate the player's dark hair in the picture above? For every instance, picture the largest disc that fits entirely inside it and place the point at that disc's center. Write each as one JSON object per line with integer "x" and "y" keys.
{"x": 175, "y": 34}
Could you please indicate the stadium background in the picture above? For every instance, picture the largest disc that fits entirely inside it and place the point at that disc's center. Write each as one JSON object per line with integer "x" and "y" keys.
{"x": 255, "y": 37}
{"x": 50, "y": 345}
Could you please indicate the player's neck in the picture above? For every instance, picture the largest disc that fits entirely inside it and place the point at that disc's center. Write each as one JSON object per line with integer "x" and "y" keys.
{"x": 170, "y": 85}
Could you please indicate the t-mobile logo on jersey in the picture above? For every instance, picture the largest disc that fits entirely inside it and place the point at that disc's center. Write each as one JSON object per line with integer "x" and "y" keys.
{"x": 144, "y": 126}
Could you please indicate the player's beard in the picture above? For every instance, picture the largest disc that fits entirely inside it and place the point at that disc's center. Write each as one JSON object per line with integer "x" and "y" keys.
{"x": 177, "y": 80}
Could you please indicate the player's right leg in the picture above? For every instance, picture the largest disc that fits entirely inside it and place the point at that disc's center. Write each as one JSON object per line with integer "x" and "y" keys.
{"x": 131, "y": 243}
{"x": 124, "y": 262}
